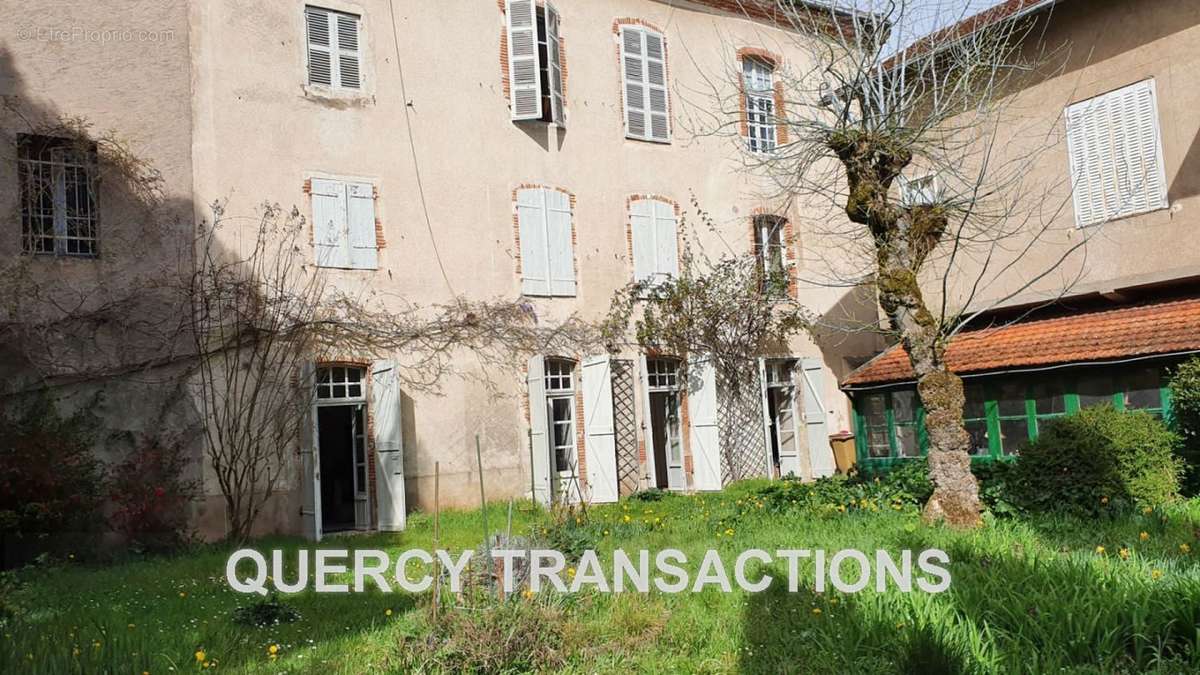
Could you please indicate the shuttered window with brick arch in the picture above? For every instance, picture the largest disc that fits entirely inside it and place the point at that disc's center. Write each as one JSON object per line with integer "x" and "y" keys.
{"x": 343, "y": 214}
{"x": 334, "y": 59}
{"x": 547, "y": 251}
{"x": 653, "y": 229}
{"x": 1115, "y": 150}
{"x": 644, "y": 73}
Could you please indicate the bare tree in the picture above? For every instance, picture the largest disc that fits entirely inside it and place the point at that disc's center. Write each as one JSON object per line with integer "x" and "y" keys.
{"x": 260, "y": 311}
{"x": 859, "y": 118}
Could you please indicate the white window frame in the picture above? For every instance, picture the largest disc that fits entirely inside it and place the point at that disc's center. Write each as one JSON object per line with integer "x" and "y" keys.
{"x": 73, "y": 233}
{"x": 560, "y": 385}
{"x": 923, "y": 190}
{"x": 334, "y": 51}
{"x": 1103, "y": 182}
{"x": 758, "y": 86}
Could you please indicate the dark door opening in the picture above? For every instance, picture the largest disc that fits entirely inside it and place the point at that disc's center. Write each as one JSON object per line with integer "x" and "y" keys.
{"x": 773, "y": 415}
{"x": 335, "y": 428}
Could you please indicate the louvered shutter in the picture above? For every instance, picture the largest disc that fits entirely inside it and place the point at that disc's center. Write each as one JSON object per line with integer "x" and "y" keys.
{"x": 360, "y": 211}
{"x": 531, "y": 221}
{"x": 320, "y": 53}
{"x": 666, "y": 244}
{"x": 559, "y": 245}
{"x": 557, "y": 103}
{"x": 633, "y": 70}
{"x": 349, "y": 72}
{"x": 656, "y": 87}
{"x": 329, "y": 223}
{"x": 524, "y": 76}
{"x": 1115, "y": 153}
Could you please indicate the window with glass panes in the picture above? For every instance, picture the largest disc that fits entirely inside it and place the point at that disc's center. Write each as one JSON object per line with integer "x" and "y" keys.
{"x": 340, "y": 382}
{"x": 757, "y": 79}
{"x": 560, "y": 404}
{"x": 1003, "y": 412}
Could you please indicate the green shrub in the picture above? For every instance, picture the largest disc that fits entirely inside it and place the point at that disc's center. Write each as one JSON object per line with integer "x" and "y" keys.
{"x": 1185, "y": 415}
{"x": 1096, "y": 461}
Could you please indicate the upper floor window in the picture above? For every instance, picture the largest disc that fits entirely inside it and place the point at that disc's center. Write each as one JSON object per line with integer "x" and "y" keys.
{"x": 547, "y": 249}
{"x": 644, "y": 74}
{"x": 343, "y": 214}
{"x": 759, "y": 89}
{"x": 919, "y": 191}
{"x": 1115, "y": 150}
{"x": 770, "y": 250}
{"x": 58, "y": 191}
{"x": 535, "y": 77}
{"x": 334, "y": 59}
{"x": 655, "y": 241}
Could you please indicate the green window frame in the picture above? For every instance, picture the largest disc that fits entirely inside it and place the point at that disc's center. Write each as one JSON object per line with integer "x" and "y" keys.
{"x": 1004, "y": 411}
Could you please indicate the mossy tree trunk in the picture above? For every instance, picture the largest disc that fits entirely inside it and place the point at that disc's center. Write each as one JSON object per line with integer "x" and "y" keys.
{"x": 903, "y": 238}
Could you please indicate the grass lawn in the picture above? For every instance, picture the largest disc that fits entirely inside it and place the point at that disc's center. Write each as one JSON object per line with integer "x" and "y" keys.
{"x": 1026, "y": 596}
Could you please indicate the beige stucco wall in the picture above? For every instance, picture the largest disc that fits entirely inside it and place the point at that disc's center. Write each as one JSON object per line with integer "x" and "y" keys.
{"x": 1090, "y": 48}
{"x": 259, "y": 133}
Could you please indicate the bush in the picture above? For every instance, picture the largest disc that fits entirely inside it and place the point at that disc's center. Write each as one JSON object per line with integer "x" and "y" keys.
{"x": 1097, "y": 461}
{"x": 503, "y": 637}
{"x": 150, "y": 495}
{"x": 1185, "y": 414}
{"x": 51, "y": 485}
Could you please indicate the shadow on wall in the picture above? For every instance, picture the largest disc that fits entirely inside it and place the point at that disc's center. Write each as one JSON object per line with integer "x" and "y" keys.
{"x": 851, "y": 330}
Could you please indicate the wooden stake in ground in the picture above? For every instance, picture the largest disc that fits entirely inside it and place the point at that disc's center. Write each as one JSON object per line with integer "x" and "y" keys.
{"x": 437, "y": 517}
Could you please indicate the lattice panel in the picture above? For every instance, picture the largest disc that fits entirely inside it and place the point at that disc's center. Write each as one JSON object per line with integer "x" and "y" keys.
{"x": 625, "y": 423}
{"x": 743, "y": 446}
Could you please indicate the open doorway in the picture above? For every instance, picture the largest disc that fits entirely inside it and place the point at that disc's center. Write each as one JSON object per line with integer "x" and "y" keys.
{"x": 780, "y": 404}
{"x": 342, "y": 447}
{"x": 666, "y": 433}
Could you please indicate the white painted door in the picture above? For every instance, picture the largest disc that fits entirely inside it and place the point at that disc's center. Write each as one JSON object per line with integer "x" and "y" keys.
{"x": 786, "y": 430}
{"x": 599, "y": 430}
{"x": 705, "y": 436}
{"x": 389, "y": 446}
{"x": 817, "y": 429}
{"x": 673, "y": 435}
{"x": 310, "y": 459}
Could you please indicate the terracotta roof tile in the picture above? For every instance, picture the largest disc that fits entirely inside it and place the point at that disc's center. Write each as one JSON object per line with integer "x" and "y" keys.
{"x": 1138, "y": 330}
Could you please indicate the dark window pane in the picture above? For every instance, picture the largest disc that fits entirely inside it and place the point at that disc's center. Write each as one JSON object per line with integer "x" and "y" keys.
{"x": 974, "y": 407}
{"x": 1049, "y": 398}
{"x": 1096, "y": 390}
{"x": 904, "y": 405}
{"x": 979, "y": 437}
{"x": 1141, "y": 389}
{"x": 1013, "y": 433}
{"x": 1011, "y": 399}
{"x": 906, "y": 441}
{"x": 873, "y": 409}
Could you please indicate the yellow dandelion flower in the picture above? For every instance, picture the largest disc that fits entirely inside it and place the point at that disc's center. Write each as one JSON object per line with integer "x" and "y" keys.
{"x": 1156, "y": 574}
{"x": 571, "y": 571}
{"x": 816, "y": 611}
{"x": 273, "y": 649}
{"x": 1124, "y": 553}
{"x": 1099, "y": 550}
{"x": 1148, "y": 510}
{"x": 527, "y": 593}
{"x": 626, "y": 518}
{"x": 182, "y": 594}
{"x": 1184, "y": 548}
{"x": 387, "y": 612}
{"x": 1144, "y": 536}
{"x": 729, "y": 531}
{"x": 200, "y": 656}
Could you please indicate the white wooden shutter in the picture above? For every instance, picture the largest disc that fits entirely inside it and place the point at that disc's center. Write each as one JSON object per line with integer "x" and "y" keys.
{"x": 349, "y": 63}
{"x": 656, "y": 87}
{"x": 1115, "y": 153}
{"x": 360, "y": 214}
{"x": 320, "y": 52}
{"x": 558, "y": 109}
{"x": 310, "y": 458}
{"x": 766, "y": 415}
{"x": 596, "y": 380}
{"x": 329, "y": 223}
{"x": 666, "y": 242}
{"x": 389, "y": 446}
{"x": 524, "y": 75}
{"x": 641, "y": 222}
{"x": 820, "y": 454}
{"x": 537, "y": 423}
{"x": 705, "y": 436}
{"x": 559, "y": 246}
{"x": 535, "y": 261}
{"x": 651, "y": 475}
